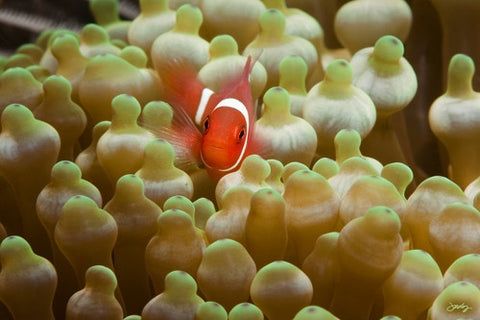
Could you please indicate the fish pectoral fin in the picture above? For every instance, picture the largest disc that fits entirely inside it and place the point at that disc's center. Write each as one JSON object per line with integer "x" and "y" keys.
{"x": 181, "y": 133}
{"x": 186, "y": 142}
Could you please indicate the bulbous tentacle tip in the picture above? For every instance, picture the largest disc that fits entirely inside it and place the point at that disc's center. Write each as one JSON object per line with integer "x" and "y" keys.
{"x": 80, "y": 202}
{"x": 388, "y": 48}
{"x": 384, "y": 218}
{"x": 211, "y": 310}
{"x": 16, "y": 115}
{"x": 64, "y": 171}
{"x": 126, "y": 106}
{"x": 135, "y": 55}
{"x": 180, "y": 282}
{"x": 292, "y": 66}
{"x": 93, "y": 34}
{"x": 255, "y": 166}
{"x": 161, "y": 152}
{"x": 314, "y": 312}
{"x": 460, "y": 72}
{"x": 129, "y": 185}
{"x": 189, "y": 18}
{"x": 461, "y": 63}
{"x": 272, "y": 21}
{"x": 14, "y": 247}
{"x": 245, "y": 310}
{"x": 277, "y": 99}
{"x": 339, "y": 71}
{"x": 56, "y": 86}
{"x": 223, "y": 45}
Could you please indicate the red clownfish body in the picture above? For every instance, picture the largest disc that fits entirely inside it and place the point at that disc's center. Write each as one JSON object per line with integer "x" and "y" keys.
{"x": 218, "y": 125}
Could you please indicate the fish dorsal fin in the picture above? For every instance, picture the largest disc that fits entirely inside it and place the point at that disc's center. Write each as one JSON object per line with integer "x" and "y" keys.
{"x": 239, "y": 88}
{"x": 180, "y": 86}
{"x": 238, "y": 84}
{"x": 182, "y": 90}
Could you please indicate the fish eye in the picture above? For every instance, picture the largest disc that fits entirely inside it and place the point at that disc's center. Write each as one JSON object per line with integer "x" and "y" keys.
{"x": 241, "y": 134}
{"x": 206, "y": 124}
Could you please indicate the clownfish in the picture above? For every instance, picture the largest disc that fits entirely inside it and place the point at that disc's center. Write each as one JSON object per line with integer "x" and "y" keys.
{"x": 213, "y": 129}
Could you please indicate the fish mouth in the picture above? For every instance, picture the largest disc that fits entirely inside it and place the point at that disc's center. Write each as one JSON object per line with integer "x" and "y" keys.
{"x": 213, "y": 145}
{"x": 215, "y": 156}
{"x": 215, "y": 148}
{"x": 213, "y": 152}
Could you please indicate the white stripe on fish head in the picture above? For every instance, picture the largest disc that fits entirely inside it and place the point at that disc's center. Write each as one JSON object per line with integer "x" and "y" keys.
{"x": 202, "y": 105}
